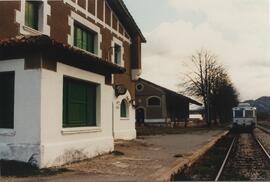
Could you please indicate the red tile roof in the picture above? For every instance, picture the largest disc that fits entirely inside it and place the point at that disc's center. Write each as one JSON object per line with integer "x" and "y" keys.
{"x": 21, "y": 46}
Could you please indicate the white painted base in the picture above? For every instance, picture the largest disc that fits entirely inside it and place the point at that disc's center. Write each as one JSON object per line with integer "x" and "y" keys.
{"x": 56, "y": 154}
{"x": 28, "y": 153}
{"x": 125, "y": 135}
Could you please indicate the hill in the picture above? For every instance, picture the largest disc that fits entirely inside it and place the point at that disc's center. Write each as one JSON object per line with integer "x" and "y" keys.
{"x": 262, "y": 104}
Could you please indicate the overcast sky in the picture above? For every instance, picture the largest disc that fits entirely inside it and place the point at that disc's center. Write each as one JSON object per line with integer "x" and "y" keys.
{"x": 236, "y": 30}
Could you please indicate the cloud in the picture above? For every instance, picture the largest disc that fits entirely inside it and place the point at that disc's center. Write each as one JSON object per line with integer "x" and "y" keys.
{"x": 236, "y": 30}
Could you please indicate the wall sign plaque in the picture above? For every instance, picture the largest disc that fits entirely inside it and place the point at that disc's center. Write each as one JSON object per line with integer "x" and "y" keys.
{"x": 120, "y": 90}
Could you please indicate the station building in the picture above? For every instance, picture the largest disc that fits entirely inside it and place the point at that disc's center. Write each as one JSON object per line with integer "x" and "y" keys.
{"x": 67, "y": 79}
{"x": 158, "y": 105}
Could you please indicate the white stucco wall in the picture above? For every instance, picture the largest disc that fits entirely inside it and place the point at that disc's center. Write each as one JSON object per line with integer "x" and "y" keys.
{"x": 59, "y": 145}
{"x": 123, "y": 128}
{"x": 38, "y": 132}
{"x": 22, "y": 142}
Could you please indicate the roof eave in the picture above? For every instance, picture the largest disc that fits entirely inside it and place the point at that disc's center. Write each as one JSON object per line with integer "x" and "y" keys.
{"x": 173, "y": 92}
{"x": 133, "y": 23}
{"x": 22, "y": 46}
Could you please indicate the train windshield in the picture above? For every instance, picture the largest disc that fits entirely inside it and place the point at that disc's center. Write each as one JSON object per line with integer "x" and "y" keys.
{"x": 238, "y": 113}
{"x": 249, "y": 114}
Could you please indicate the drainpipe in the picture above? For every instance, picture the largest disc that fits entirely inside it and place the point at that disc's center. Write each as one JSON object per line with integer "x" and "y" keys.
{"x": 113, "y": 119}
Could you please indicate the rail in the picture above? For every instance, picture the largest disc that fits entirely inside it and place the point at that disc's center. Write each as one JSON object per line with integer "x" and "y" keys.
{"x": 225, "y": 160}
{"x": 262, "y": 147}
{"x": 229, "y": 152}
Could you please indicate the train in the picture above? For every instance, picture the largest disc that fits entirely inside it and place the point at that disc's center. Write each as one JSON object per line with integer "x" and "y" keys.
{"x": 244, "y": 117}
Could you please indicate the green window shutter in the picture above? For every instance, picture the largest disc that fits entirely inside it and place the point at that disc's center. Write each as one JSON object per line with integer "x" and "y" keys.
{"x": 7, "y": 100}
{"x": 84, "y": 39}
{"x": 91, "y": 107}
{"x": 117, "y": 54}
{"x": 123, "y": 109}
{"x": 78, "y": 37}
{"x": 79, "y": 103}
{"x": 31, "y": 14}
{"x": 75, "y": 36}
{"x": 91, "y": 42}
{"x": 26, "y": 13}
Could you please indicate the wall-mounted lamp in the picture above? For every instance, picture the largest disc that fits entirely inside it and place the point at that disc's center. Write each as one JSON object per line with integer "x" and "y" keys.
{"x": 133, "y": 102}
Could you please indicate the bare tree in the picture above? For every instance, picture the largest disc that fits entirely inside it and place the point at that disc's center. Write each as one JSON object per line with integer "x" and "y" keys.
{"x": 204, "y": 81}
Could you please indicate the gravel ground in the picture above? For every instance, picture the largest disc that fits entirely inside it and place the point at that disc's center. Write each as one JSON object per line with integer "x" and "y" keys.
{"x": 133, "y": 160}
{"x": 264, "y": 138}
{"x": 247, "y": 161}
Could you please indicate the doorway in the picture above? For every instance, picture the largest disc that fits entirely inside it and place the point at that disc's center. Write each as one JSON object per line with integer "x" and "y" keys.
{"x": 140, "y": 115}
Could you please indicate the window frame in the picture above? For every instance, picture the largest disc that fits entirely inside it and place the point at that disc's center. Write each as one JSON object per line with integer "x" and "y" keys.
{"x": 37, "y": 13}
{"x": 91, "y": 36}
{"x": 12, "y": 97}
{"x": 149, "y": 105}
{"x": 120, "y": 62}
{"x": 139, "y": 84}
{"x": 249, "y": 112}
{"x": 117, "y": 55}
{"x": 124, "y": 101}
{"x": 66, "y": 123}
{"x": 237, "y": 112}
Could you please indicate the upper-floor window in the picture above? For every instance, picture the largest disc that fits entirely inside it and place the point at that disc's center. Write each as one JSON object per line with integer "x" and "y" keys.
{"x": 84, "y": 38}
{"x": 117, "y": 54}
{"x": 153, "y": 101}
{"x": 7, "y": 100}
{"x": 32, "y": 14}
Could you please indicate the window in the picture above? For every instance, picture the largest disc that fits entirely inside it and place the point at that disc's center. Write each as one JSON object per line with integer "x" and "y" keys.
{"x": 117, "y": 54}
{"x": 124, "y": 112}
{"x": 32, "y": 14}
{"x": 79, "y": 103}
{"x": 154, "y": 101}
{"x": 139, "y": 87}
{"x": 84, "y": 38}
{"x": 249, "y": 114}
{"x": 7, "y": 100}
{"x": 238, "y": 113}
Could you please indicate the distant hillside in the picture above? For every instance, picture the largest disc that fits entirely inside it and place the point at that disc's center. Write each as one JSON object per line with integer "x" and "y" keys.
{"x": 262, "y": 104}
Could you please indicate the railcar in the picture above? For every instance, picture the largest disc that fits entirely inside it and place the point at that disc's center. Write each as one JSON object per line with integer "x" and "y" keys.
{"x": 244, "y": 117}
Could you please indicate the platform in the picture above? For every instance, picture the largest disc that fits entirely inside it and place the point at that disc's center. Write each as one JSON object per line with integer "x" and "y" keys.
{"x": 147, "y": 158}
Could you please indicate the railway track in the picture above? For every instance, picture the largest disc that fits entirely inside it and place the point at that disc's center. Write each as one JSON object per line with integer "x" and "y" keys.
{"x": 264, "y": 128}
{"x": 246, "y": 159}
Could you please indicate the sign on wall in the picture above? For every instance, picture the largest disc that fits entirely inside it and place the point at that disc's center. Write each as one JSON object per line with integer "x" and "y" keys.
{"x": 120, "y": 90}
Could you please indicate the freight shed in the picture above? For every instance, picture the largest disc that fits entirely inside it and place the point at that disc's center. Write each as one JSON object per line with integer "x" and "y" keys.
{"x": 158, "y": 105}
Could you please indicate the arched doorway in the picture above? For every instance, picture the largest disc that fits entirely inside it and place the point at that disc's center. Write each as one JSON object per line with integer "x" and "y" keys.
{"x": 140, "y": 115}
